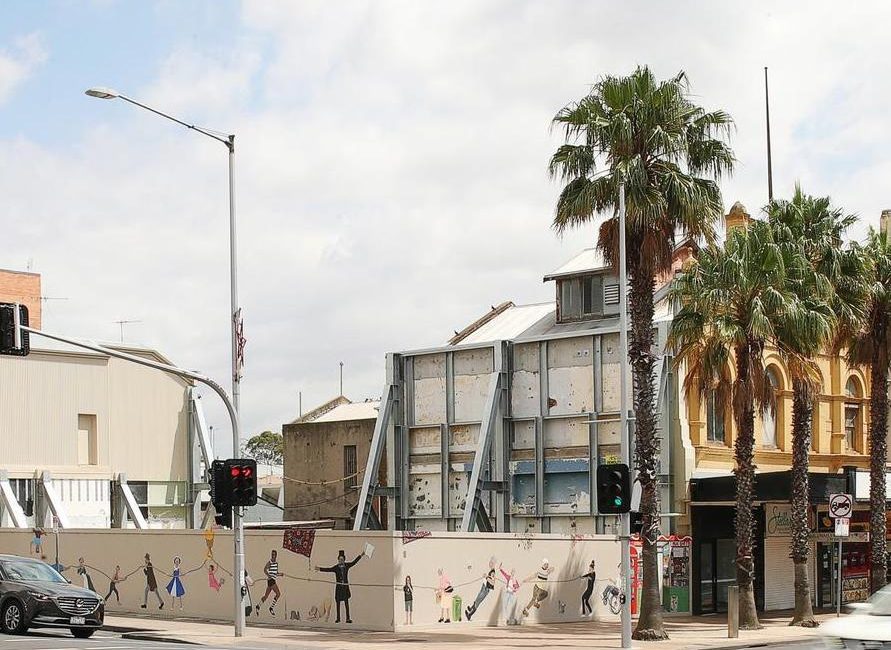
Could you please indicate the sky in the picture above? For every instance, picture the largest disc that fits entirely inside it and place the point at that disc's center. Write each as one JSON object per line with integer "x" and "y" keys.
{"x": 391, "y": 165}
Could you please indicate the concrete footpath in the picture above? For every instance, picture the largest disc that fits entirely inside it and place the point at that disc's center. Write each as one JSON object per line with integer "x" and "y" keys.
{"x": 686, "y": 632}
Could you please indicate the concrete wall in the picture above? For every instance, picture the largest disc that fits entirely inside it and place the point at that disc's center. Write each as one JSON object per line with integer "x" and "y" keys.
{"x": 314, "y": 452}
{"x": 377, "y": 601}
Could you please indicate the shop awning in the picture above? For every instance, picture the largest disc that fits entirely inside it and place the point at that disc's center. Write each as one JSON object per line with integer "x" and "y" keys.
{"x": 769, "y": 486}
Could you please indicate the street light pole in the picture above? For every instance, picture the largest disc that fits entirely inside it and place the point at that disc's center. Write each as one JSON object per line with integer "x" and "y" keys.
{"x": 625, "y": 440}
{"x": 235, "y": 328}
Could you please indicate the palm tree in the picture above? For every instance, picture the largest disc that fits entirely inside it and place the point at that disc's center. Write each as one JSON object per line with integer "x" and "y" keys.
{"x": 871, "y": 346}
{"x": 831, "y": 297}
{"x": 732, "y": 300}
{"x": 668, "y": 152}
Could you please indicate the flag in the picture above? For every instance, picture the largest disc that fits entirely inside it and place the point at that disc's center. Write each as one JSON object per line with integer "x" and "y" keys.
{"x": 240, "y": 342}
{"x": 409, "y": 536}
{"x": 299, "y": 540}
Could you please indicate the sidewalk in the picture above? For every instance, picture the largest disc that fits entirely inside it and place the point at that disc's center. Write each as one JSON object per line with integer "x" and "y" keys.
{"x": 687, "y": 632}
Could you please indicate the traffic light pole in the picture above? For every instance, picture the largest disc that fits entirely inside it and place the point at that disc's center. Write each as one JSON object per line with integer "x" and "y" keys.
{"x": 624, "y": 519}
{"x": 238, "y": 522}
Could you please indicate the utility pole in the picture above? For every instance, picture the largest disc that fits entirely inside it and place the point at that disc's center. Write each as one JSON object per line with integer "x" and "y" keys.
{"x": 769, "y": 161}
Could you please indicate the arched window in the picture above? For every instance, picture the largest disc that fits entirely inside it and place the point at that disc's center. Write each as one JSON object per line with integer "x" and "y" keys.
{"x": 853, "y": 414}
{"x": 714, "y": 421}
{"x": 769, "y": 416}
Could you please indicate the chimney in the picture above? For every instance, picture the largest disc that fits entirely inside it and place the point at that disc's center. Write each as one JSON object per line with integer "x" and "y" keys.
{"x": 738, "y": 218}
{"x": 885, "y": 222}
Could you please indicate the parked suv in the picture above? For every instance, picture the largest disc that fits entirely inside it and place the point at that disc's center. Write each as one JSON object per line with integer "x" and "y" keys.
{"x": 33, "y": 594}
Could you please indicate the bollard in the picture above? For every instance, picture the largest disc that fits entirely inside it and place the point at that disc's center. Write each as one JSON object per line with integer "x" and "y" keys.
{"x": 732, "y": 612}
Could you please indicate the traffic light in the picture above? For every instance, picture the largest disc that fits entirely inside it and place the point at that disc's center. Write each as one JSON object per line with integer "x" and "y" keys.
{"x": 242, "y": 475}
{"x": 218, "y": 483}
{"x": 13, "y": 341}
{"x": 223, "y": 516}
{"x": 613, "y": 489}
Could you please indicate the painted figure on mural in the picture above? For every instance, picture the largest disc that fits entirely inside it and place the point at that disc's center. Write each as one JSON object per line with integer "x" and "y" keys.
{"x": 509, "y": 602}
{"x": 212, "y": 580}
{"x": 175, "y": 587}
{"x": 85, "y": 575}
{"x": 113, "y": 584}
{"x": 590, "y": 577}
{"x": 246, "y": 600}
{"x": 151, "y": 583}
{"x": 409, "y": 593}
{"x": 37, "y": 542}
{"x": 341, "y": 572}
{"x": 272, "y": 572}
{"x": 208, "y": 539}
{"x": 539, "y": 581}
{"x": 443, "y": 594}
{"x": 487, "y": 586}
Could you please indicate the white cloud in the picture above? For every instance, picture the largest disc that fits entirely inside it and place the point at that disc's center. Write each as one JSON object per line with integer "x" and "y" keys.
{"x": 391, "y": 170}
{"x": 18, "y": 62}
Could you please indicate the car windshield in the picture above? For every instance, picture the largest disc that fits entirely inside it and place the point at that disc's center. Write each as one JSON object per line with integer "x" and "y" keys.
{"x": 881, "y": 602}
{"x": 31, "y": 570}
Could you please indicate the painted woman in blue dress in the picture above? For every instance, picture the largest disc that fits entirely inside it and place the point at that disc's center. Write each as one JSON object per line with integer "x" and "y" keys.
{"x": 175, "y": 587}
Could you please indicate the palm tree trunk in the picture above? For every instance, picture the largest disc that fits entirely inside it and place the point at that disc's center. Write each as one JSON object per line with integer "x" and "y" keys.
{"x": 744, "y": 413}
{"x": 878, "y": 456}
{"x": 646, "y": 451}
{"x": 802, "y": 413}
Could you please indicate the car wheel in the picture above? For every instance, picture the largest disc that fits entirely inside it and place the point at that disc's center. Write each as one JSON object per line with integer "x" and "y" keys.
{"x": 12, "y": 620}
{"x": 82, "y": 632}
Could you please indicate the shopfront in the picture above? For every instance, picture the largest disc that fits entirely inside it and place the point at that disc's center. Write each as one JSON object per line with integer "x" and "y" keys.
{"x": 855, "y": 551}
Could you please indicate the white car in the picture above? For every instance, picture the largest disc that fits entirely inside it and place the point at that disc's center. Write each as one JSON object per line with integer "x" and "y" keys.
{"x": 869, "y": 626}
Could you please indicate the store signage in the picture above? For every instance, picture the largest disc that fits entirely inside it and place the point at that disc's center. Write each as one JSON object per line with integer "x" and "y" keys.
{"x": 842, "y": 526}
{"x": 862, "y": 484}
{"x": 778, "y": 520}
{"x": 840, "y": 505}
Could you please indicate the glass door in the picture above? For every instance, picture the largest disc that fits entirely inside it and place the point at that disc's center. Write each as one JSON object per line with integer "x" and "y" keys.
{"x": 707, "y": 577}
{"x": 725, "y": 571}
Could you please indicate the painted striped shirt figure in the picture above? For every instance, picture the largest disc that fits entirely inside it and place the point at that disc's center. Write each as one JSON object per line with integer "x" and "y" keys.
{"x": 272, "y": 572}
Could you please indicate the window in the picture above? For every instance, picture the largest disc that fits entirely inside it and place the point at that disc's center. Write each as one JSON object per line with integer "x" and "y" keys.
{"x": 853, "y": 419}
{"x": 581, "y": 297}
{"x": 714, "y": 421}
{"x": 86, "y": 440}
{"x": 23, "y": 489}
{"x": 350, "y": 467}
{"x": 769, "y": 416}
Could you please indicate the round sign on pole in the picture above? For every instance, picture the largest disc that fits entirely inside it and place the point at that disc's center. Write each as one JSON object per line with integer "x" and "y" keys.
{"x": 840, "y": 505}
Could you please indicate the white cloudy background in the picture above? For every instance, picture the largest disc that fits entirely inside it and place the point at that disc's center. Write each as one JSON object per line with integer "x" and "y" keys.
{"x": 391, "y": 179}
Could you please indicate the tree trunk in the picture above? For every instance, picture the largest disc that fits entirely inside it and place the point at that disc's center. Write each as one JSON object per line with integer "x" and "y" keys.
{"x": 646, "y": 451}
{"x": 744, "y": 414}
{"x": 878, "y": 454}
{"x": 802, "y": 414}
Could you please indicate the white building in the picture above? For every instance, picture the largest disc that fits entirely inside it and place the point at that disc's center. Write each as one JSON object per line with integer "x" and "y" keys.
{"x": 96, "y": 441}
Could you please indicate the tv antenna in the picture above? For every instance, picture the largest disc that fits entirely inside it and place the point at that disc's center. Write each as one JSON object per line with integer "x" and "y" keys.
{"x": 121, "y": 323}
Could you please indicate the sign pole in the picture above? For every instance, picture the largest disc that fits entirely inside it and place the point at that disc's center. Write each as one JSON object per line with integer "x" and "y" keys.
{"x": 839, "y": 587}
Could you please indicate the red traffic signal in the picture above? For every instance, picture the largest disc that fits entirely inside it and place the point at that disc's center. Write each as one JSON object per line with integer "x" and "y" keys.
{"x": 243, "y": 481}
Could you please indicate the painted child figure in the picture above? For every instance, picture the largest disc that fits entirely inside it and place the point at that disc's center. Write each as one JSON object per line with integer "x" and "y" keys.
{"x": 175, "y": 587}
{"x": 212, "y": 580}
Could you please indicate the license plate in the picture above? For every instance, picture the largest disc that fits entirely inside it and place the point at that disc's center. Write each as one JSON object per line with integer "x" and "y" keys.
{"x": 78, "y": 620}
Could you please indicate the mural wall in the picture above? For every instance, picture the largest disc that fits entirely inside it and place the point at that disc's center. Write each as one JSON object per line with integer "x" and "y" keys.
{"x": 372, "y": 580}
{"x": 506, "y": 579}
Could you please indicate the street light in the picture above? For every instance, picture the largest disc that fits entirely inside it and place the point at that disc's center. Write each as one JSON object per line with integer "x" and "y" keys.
{"x": 236, "y": 326}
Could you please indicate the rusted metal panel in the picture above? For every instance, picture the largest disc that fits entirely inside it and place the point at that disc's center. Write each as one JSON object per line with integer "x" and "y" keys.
{"x": 570, "y": 376}
{"x": 430, "y": 400}
{"x": 463, "y": 437}
{"x": 524, "y": 396}
{"x": 566, "y": 432}
{"x": 458, "y": 482}
{"x": 524, "y": 435}
{"x": 423, "y": 440}
{"x": 424, "y": 494}
{"x": 472, "y": 370}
